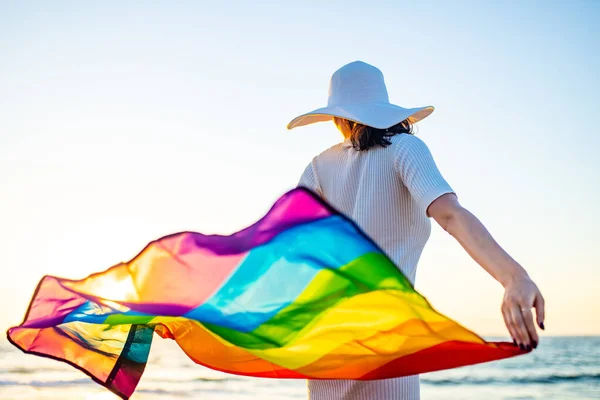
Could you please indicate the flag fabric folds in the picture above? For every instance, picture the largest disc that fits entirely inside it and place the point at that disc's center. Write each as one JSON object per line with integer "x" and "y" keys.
{"x": 303, "y": 293}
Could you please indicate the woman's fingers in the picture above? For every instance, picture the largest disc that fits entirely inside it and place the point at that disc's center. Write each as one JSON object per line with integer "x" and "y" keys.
{"x": 540, "y": 310}
{"x": 509, "y": 324}
{"x": 527, "y": 316}
{"x": 516, "y": 318}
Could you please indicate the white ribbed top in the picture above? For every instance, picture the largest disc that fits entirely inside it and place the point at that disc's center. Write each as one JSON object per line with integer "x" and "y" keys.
{"x": 386, "y": 191}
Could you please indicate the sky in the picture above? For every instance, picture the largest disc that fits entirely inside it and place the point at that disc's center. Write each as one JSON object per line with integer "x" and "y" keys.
{"x": 121, "y": 122}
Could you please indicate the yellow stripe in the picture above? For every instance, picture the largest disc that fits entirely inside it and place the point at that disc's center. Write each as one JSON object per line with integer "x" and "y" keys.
{"x": 363, "y": 318}
{"x": 409, "y": 338}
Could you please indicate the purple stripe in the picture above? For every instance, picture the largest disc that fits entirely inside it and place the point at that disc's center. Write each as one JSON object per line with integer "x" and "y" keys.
{"x": 152, "y": 309}
{"x": 296, "y": 207}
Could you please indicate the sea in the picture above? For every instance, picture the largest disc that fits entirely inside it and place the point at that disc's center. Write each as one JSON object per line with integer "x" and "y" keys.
{"x": 561, "y": 368}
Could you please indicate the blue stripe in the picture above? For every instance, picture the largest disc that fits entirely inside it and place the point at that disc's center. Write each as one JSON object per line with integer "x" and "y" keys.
{"x": 90, "y": 312}
{"x": 94, "y": 313}
{"x": 273, "y": 275}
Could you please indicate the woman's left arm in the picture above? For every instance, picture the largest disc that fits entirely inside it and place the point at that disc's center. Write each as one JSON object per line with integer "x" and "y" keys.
{"x": 310, "y": 180}
{"x": 521, "y": 293}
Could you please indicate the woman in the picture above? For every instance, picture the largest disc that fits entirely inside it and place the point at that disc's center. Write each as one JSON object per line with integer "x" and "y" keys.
{"x": 386, "y": 180}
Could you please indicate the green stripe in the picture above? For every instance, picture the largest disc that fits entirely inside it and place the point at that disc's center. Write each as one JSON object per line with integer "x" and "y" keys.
{"x": 370, "y": 272}
{"x": 126, "y": 319}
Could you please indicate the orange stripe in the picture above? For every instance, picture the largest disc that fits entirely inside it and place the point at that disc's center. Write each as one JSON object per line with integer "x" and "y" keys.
{"x": 204, "y": 348}
{"x": 53, "y": 342}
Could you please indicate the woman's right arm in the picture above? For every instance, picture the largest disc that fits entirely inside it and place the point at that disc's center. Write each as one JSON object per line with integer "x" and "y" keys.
{"x": 435, "y": 198}
{"x": 521, "y": 293}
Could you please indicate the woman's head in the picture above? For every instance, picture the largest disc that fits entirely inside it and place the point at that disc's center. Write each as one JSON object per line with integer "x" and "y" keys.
{"x": 364, "y": 137}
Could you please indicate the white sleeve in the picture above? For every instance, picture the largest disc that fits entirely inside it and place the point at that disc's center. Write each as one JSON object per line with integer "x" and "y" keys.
{"x": 419, "y": 173}
{"x": 309, "y": 179}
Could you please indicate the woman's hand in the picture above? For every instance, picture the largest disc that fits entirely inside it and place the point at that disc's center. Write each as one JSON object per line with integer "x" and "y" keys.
{"x": 520, "y": 296}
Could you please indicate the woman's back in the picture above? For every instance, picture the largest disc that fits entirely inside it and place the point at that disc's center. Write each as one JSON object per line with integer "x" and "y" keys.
{"x": 385, "y": 190}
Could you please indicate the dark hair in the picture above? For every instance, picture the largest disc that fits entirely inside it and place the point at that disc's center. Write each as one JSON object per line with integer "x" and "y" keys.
{"x": 364, "y": 137}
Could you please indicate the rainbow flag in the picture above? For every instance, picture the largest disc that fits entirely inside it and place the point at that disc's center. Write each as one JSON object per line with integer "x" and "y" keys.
{"x": 303, "y": 293}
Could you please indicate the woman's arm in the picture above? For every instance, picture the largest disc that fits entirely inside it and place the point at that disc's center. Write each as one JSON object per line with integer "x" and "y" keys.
{"x": 521, "y": 293}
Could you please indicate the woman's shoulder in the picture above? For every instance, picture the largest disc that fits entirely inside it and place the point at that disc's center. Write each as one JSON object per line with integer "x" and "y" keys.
{"x": 336, "y": 148}
{"x": 407, "y": 143}
{"x": 406, "y": 139}
{"x": 326, "y": 155}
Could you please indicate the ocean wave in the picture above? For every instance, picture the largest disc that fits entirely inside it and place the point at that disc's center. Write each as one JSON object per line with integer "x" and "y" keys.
{"x": 84, "y": 381}
{"x": 172, "y": 391}
{"x": 524, "y": 380}
{"x": 61, "y": 383}
{"x": 220, "y": 379}
{"x": 163, "y": 392}
{"x": 20, "y": 370}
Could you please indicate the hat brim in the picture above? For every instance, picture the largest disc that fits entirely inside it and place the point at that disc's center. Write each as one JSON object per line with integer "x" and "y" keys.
{"x": 376, "y": 115}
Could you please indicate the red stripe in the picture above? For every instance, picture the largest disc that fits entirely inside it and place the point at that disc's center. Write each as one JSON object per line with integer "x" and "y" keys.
{"x": 446, "y": 355}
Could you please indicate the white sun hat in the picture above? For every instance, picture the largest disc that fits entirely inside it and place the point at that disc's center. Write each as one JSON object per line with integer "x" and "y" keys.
{"x": 357, "y": 92}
